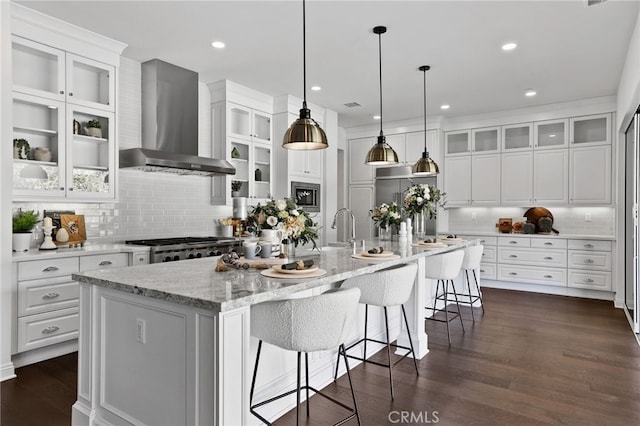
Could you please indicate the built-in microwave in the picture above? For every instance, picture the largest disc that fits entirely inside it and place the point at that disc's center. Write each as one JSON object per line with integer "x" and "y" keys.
{"x": 306, "y": 195}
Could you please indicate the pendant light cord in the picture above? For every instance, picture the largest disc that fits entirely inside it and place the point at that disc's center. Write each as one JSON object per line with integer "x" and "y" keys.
{"x": 424, "y": 72}
{"x": 304, "y": 55}
{"x": 380, "y": 65}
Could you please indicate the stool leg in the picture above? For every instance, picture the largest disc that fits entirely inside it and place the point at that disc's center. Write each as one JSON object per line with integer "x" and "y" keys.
{"x": 366, "y": 320}
{"x": 479, "y": 292}
{"x": 386, "y": 326}
{"x": 298, "y": 392}
{"x": 473, "y": 317}
{"x": 445, "y": 286}
{"x": 306, "y": 373}
{"x": 455, "y": 295}
{"x": 255, "y": 373}
{"x": 353, "y": 395}
{"x": 406, "y": 323}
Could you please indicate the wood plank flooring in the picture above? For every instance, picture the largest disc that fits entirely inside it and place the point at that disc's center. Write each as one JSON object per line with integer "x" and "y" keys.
{"x": 531, "y": 359}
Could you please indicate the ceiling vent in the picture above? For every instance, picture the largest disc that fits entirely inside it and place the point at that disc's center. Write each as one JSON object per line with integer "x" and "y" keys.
{"x": 594, "y": 2}
{"x": 352, "y": 104}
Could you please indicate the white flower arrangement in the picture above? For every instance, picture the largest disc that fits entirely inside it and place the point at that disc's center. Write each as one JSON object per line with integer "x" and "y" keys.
{"x": 286, "y": 216}
{"x": 423, "y": 198}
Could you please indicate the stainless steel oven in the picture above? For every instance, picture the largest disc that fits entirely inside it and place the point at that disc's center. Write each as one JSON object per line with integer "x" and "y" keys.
{"x": 306, "y": 195}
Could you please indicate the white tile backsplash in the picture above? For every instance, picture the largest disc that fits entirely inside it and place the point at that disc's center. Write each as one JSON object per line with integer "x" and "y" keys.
{"x": 567, "y": 220}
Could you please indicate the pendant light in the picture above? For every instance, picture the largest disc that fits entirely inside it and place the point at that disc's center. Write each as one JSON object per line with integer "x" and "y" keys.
{"x": 425, "y": 166}
{"x": 381, "y": 153}
{"x": 304, "y": 133}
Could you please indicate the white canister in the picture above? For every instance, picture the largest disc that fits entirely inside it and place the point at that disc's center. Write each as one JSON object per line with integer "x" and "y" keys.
{"x": 240, "y": 208}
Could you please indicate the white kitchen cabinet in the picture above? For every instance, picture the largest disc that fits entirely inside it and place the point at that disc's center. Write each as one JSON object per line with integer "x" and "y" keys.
{"x": 485, "y": 179}
{"x": 248, "y": 123}
{"x": 41, "y": 70}
{"x": 485, "y": 140}
{"x": 590, "y": 178}
{"x": 590, "y": 263}
{"x": 241, "y": 134}
{"x": 551, "y": 134}
{"x": 590, "y": 130}
{"x": 306, "y": 165}
{"x": 457, "y": 143}
{"x": 55, "y": 95}
{"x": 551, "y": 176}
{"x": 359, "y": 172}
{"x": 457, "y": 180}
{"x": 517, "y": 137}
{"x": 361, "y": 201}
{"x": 396, "y": 142}
{"x": 414, "y": 146}
{"x": 517, "y": 178}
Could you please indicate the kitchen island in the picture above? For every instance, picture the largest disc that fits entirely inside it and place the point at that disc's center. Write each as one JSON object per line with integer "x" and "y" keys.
{"x": 170, "y": 343}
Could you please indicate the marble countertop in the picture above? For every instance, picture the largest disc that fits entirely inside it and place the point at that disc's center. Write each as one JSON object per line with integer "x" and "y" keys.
{"x": 88, "y": 249}
{"x": 196, "y": 283}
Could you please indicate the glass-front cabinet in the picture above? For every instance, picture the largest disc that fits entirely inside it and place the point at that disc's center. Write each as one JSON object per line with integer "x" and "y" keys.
{"x": 457, "y": 143}
{"x": 249, "y": 124}
{"x": 253, "y": 170}
{"x": 485, "y": 140}
{"x": 591, "y": 130}
{"x": 551, "y": 134}
{"x": 517, "y": 137}
{"x": 63, "y": 124}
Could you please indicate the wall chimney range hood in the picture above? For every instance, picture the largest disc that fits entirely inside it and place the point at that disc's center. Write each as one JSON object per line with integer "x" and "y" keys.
{"x": 170, "y": 125}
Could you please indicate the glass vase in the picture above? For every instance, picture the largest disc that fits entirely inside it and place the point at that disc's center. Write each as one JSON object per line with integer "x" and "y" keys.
{"x": 420, "y": 224}
{"x": 384, "y": 233}
{"x": 290, "y": 248}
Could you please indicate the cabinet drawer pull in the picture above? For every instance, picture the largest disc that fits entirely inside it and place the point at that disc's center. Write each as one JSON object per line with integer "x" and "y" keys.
{"x": 50, "y": 329}
{"x": 70, "y": 94}
{"x": 513, "y": 242}
{"x": 588, "y": 280}
{"x": 588, "y": 261}
{"x": 588, "y": 246}
{"x": 62, "y": 92}
{"x": 105, "y": 262}
{"x": 482, "y": 270}
{"x": 548, "y": 258}
{"x": 50, "y": 269}
{"x": 513, "y": 256}
{"x": 513, "y": 273}
{"x": 482, "y": 241}
{"x": 51, "y": 295}
{"x": 548, "y": 276}
{"x": 548, "y": 243}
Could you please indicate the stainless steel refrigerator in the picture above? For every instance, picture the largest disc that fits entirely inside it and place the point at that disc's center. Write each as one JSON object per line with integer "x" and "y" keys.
{"x": 391, "y": 182}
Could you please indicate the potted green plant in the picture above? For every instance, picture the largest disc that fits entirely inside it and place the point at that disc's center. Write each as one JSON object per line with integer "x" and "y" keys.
{"x": 235, "y": 188}
{"x": 20, "y": 149}
{"x": 94, "y": 128}
{"x": 23, "y": 223}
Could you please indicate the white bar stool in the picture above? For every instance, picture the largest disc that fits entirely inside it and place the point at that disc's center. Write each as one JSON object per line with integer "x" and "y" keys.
{"x": 471, "y": 262}
{"x": 306, "y": 325}
{"x": 385, "y": 288}
{"x": 444, "y": 268}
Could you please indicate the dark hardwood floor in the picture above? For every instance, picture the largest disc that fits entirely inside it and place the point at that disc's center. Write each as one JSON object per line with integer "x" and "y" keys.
{"x": 531, "y": 359}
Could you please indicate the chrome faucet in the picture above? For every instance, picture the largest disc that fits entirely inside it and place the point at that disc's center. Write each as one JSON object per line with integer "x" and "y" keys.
{"x": 353, "y": 222}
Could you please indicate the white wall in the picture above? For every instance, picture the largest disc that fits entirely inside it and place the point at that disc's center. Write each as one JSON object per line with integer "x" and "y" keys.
{"x": 628, "y": 96}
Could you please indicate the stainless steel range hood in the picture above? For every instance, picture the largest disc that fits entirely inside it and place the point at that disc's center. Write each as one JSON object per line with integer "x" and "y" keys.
{"x": 170, "y": 125}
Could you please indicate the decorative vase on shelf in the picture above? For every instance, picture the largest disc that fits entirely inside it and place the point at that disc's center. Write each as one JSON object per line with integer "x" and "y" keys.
{"x": 420, "y": 224}
{"x": 258, "y": 175}
{"x": 41, "y": 154}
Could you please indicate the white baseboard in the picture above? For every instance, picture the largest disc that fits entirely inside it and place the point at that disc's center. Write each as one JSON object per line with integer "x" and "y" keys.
{"x": 7, "y": 371}
{"x": 42, "y": 354}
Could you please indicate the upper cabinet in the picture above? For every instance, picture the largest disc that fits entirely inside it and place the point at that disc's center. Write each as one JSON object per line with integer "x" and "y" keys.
{"x": 242, "y": 134}
{"x": 50, "y": 73}
{"x": 359, "y": 172}
{"x": 591, "y": 130}
{"x": 551, "y": 134}
{"x": 517, "y": 137}
{"x": 414, "y": 146}
{"x": 63, "y": 110}
{"x": 457, "y": 142}
{"x": 485, "y": 140}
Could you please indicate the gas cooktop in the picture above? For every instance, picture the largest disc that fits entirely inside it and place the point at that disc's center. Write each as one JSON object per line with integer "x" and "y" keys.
{"x": 181, "y": 248}
{"x": 180, "y": 240}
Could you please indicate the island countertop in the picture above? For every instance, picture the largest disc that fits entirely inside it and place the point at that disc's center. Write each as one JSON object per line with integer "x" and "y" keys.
{"x": 196, "y": 283}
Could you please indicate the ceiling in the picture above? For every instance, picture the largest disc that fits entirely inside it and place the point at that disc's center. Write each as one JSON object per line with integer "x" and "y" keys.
{"x": 566, "y": 51}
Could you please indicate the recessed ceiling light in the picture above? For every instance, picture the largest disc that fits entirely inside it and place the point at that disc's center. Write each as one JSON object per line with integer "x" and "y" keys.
{"x": 445, "y": 106}
{"x": 218, "y": 44}
{"x": 316, "y": 88}
{"x": 376, "y": 117}
{"x": 530, "y": 92}
{"x": 553, "y": 135}
{"x": 509, "y": 46}
{"x": 52, "y": 107}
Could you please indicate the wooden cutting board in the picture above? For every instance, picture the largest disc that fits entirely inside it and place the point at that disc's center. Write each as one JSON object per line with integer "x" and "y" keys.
{"x": 535, "y": 213}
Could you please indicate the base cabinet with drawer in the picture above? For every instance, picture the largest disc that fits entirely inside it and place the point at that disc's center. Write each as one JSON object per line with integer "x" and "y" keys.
{"x": 572, "y": 264}
{"x": 46, "y": 300}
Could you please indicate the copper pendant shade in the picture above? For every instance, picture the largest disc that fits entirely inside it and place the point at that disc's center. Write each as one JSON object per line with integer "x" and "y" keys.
{"x": 304, "y": 133}
{"x": 381, "y": 153}
{"x": 425, "y": 166}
